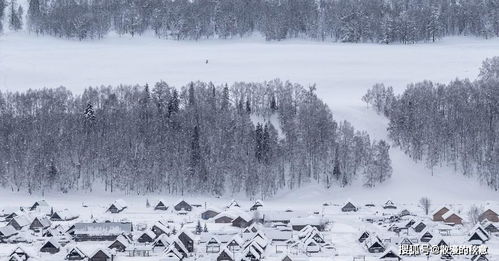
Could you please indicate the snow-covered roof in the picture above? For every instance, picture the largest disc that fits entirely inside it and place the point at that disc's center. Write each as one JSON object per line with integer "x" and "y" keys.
{"x": 110, "y": 228}
{"x": 310, "y": 220}
{"x": 65, "y": 214}
{"x": 7, "y": 231}
{"x": 449, "y": 214}
{"x": 23, "y": 220}
{"x": 438, "y": 209}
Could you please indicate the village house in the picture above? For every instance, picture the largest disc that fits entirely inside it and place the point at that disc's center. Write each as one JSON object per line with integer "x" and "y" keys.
{"x": 163, "y": 241}
{"x": 225, "y": 255}
{"x": 187, "y": 240}
{"x": 99, "y": 231}
{"x": 314, "y": 221}
{"x": 363, "y": 236}
{"x": 183, "y": 205}
{"x": 6, "y": 233}
{"x": 19, "y": 222}
{"x": 390, "y": 255}
{"x": 349, "y": 207}
{"x": 121, "y": 243}
{"x": 102, "y": 255}
{"x": 51, "y": 246}
{"x": 242, "y": 221}
{"x": 224, "y": 217}
{"x": 161, "y": 205}
{"x": 451, "y": 217}
{"x": 209, "y": 213}
{"x": 63, "y": 215}
{"x": 426, "y": 236}
{"x": 490, "y": 227}
{"x": 172, "y": 254}
{"x": 418, "y": 227}
{"x": 213, "y": 245}
{"x": 159, "y": 228}
{"x": 373, "y": 244}
{"x": 235, "y": 243}
{"x": 389, "y": 205}
{"x": 39, "y": 204}
{"x": 146, "y": 237}
{"x": 117, "y": 206}
{"x": 76, "y": 254}
{"x": 258, "y": 204}
{"x": 437, "y": 214}
{"x": 489, "y": 215}
{"x": 40, "y": 223}
{"x": 19, "y": 254}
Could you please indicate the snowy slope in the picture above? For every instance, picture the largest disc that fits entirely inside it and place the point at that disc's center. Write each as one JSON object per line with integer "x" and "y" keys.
{"x": 342, "y": 72}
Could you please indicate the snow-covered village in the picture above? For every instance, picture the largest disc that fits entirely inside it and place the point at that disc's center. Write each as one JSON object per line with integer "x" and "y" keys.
{"x": 245, "y": 130}
{"x": 196, "y": 230}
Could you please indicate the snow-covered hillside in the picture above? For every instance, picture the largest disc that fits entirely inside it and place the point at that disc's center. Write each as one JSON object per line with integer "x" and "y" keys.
{"x": 342, "y": 72}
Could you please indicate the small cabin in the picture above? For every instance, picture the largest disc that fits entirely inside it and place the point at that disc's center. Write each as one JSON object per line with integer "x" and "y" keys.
{"x": 209, "y": 213}
{"x": 213, "y": 245}
{"x": 258, "y": 204}
{"x": 183, "y": 205}
{"x": 225, "y": 255}
{"x": 187, "y": 240}
{"x": 101, "y": 255}
{"x": 161, "y": 206}
{"x": 437, "y": 214}
{"x": 147, "y": 237}
{"x": 489, "y": 215}
{"x": 390, "y": 255}
{"x": 76, "y": 254}
{"x": 389, "y": 205}
{"x": 117, "y": 207}
{"x": 51, "y": 246}
{"x": 349, "y": 207}
{"x": 418, "y": 227}
{"x": 40, "y": 223}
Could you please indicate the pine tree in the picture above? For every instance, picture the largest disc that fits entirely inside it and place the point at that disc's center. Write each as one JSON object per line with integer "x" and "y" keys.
{"x": 199, "y": 229}
{"x": 205, "y": 229}
{"x": 15, "y": 19}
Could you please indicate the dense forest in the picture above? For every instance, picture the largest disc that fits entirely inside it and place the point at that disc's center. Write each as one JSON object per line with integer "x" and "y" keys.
{"x": 455, "y": 123}
{"x": 252, "y": 138}
{"x": 383, "y": 21}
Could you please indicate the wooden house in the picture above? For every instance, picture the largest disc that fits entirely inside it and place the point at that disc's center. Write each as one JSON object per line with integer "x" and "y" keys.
{"x": 479, "y": 258}
{"x": 7, "y": 232}
{"x": 183, "y": 205}
{"x": 235, "y": 244}
{"x": 20, "y": 254}
{"x": 161, "y": 205}
{"x": 146, "y": 237}
{"x": 159, "y": 228}
{"x": 63, "y": 215}
{"x": 100, "y": 231}
{"x": 418, "y": 227}
{"x": 213, "y": 245}
{"x": 40, "y": 223}
{"x": 39, "y": 204}
{"x": 121, "y": 243}
{"x": 489, "y": 215}
{"x": 390, "y": 255}
{"x": 51, "y": 246}
{"x": 477, "y": 237}
{"x": 426, "y": 236}
{"x": 187, "y": 240}
{"x": 373, "y": 244}
{"x": 76, "y": 254}
{"x": 242, "y": 221}
{"x": 162, "y": 241}
{"x": 101, "y": 255}
{"x": 224, "y": 217}
{"x": 19, "y": 222}
{"x": 349, "y": 207}
{"x": 225, "y": 255}
{"x": 363, "y": 236}
{"x": 451, "y": 217}
{"x": 172, "y": 254}
{"x": 490, "y": 227}
{"x": 437, "y": 214}
{"x": 389, "y": 205}
{"x": 209, "y": 213}
{"x": 117, "y": 206}
{"x": 258, "y": 204}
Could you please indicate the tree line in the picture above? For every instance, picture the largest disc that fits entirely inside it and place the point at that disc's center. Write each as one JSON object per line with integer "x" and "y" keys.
{"x": 252, "y": 138}
{"x": 381, "y": 21}
{"x": 455, "y": 123}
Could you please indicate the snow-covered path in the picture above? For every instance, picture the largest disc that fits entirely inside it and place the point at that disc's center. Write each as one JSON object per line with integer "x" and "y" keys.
{"x": 342, "y": 72}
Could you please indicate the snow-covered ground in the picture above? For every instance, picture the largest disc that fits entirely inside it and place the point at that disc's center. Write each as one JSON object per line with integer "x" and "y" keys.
{"x": 342, "y": 72}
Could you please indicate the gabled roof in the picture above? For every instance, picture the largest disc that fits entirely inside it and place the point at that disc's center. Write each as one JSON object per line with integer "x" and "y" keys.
{"x": 52, "y": 241}
{"x": 105, "y": 251}
{"x": 172, "y": 250}
{"x": 438, "y": 209}
{"x": 7, "y": 231}
{"x": 22, "y": 221}
{"x": 448, "y": 214}
{"x": 44, "y": 221}
{"x": 78, "y": 251}
{"x": 65, "y": 214}
{"x": 390, "y": 253}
